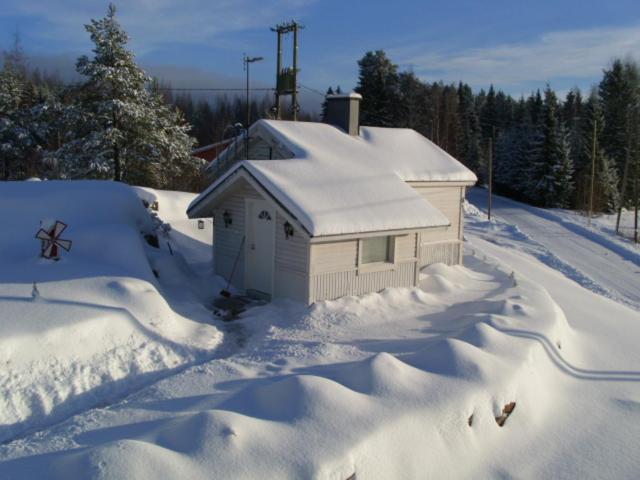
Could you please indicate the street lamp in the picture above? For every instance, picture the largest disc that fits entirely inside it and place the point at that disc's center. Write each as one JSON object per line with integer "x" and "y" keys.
{"x": 248, "y": 60}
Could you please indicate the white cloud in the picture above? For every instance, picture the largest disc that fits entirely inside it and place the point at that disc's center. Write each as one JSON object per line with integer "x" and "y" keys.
{"x": 573, "y": 55}
{"x": 154, "y": 22}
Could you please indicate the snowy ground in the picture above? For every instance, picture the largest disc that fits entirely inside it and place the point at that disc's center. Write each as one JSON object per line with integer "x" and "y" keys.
{"x": 402, "y": 384}
{"x": 101, "y": 324}
{"x": 591, "y": 255}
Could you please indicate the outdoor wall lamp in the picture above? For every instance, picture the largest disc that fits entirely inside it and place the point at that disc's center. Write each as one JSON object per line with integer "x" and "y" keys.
{"x": 288, "y": 230}
{"x": 226, "y": 216}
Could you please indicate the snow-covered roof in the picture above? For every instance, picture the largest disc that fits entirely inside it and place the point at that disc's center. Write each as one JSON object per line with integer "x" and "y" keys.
{"x": 340, "y": 184}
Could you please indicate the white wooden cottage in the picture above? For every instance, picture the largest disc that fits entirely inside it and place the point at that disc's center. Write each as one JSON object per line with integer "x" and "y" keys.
{"x": 327, "y": 210}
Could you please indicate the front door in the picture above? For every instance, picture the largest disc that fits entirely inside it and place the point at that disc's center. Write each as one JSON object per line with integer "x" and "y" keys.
{"x": 260, "y": 247}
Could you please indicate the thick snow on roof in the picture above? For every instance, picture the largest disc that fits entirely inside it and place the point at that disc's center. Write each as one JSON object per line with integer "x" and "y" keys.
{"x": 413, "y": 157}
{"x": 340, "y": 184}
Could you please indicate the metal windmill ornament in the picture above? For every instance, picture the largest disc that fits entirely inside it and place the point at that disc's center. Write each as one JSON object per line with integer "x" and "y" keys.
{"x": 51, "y": 241}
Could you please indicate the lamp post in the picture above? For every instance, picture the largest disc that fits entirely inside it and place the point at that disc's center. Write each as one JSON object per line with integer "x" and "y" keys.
{"x": 248, "y": 60}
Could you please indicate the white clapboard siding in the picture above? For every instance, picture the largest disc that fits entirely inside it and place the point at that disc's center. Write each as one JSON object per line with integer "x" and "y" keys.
{"x": 448, "y": 201}
{"x": 334, "y": 256}
{"x": 405, "y": 247}
{"x": 440, "y": 252}
{"x": 334, "y": 269}
{"x": 329, "y": 286}
{"x": 228, "y": 240}
{"x": 292, "y": 263}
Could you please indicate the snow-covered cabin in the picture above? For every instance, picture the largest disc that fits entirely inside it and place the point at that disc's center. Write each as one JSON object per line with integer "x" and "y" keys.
{"x": 324, "y": 210}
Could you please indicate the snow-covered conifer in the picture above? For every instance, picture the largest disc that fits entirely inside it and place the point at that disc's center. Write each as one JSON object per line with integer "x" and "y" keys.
{"x": 119, "y": 128}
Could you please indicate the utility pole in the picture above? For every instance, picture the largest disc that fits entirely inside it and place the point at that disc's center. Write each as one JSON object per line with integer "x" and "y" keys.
{"x": 294, "y": 93}
{"x": 635, "y": 213}
{"x": 593, "y": 169}
{"x": 493, "y": 133}
{"x": 287, "y": 78}
{"x": 278, "y": 70}
{"x": 247, "y": 61}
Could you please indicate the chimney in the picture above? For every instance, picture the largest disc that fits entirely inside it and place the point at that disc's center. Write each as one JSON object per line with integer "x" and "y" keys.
{"x": 343, "y": 111}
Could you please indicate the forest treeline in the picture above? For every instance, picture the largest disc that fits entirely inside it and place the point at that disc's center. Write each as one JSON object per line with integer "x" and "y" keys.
{"x": 544, "y": 149}
{"x": 119, "y": 124}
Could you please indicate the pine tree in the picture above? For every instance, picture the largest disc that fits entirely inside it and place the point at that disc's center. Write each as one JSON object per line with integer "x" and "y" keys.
{"x": 378, "y": 85}
{"x": 118, "y": 128}
{"x": 616, "y": 93}
{"x": 488, "y": 114}
{"x": 551, "y": 168}
{"x": 410, "y": 109}
{"x": 563, "y": 172}
{"x": 324, "y": 104}
{"x": 512, "y": 153}
{"x": 606, "y": 180}
{"x": 469, "y": 151}
{"x": 19, "y": 150}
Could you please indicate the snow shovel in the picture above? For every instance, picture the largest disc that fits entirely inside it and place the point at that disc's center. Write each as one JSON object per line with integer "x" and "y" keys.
{"x": 226, "y": 293}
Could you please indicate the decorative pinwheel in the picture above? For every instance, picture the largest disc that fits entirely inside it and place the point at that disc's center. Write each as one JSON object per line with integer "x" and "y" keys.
{"x": 51, "y": 240}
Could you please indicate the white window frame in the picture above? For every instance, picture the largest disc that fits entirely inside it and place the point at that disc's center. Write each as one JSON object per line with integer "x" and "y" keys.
{"x": 390, "y": 264}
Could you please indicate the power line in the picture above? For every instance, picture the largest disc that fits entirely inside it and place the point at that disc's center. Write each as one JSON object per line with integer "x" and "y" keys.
{"x": 312, "y": 90}
{"x": 212, "y": 89}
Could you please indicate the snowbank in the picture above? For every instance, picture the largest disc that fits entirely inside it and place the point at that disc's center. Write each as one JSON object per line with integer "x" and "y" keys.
{"x": 592, "y": 256}
{"x": 97, "y": 323}
{"x": 389, "y": 385}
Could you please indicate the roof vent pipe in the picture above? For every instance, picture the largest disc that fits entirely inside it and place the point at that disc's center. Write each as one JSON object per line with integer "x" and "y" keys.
{"x": 343, "y": 111}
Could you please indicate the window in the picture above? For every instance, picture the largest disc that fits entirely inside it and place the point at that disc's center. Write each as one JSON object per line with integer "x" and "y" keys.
{"x": 264, "y": 215}
{"x": 376, "y": 250}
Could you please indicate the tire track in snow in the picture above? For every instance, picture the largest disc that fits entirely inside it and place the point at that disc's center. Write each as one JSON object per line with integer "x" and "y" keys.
{"x": 506, "y": 234}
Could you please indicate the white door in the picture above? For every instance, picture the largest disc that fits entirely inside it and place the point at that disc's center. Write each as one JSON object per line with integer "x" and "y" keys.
{"x": 260, "y": 245}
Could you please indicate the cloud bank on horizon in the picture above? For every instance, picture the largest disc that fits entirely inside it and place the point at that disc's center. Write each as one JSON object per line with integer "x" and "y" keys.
{"x": 212, "y": 36}
{"x": 574, "y": 55}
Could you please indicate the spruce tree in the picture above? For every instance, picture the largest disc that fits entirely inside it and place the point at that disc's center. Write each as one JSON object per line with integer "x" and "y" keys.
{"x": 324, "y": 104}
{"x": 19, "y": 150}
{"x": 378, "y": 85}
{"x": 469, "y": 151}
{"x": 563, "y": 172}
{"x": 488, "y": 114}
{"x": 551, "y": 168}
{"x": 411, "y": 111}
{"x": 117, "y": 127}
{"x": 616, "y": 93}
{"x": 620, "y": 94}
{"x": 606, "y": 179}
{"x": 513, "y": 153}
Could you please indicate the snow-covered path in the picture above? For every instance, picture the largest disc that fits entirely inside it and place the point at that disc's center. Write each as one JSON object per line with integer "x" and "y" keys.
{"x": 586, "y": 256}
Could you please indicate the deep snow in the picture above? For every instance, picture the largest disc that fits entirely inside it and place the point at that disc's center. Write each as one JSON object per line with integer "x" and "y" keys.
{"x": 593, "y": 256}
{"x": 101, "y": 323}
{"x": 401, "y": 384}
{"x": 337, "y": 183}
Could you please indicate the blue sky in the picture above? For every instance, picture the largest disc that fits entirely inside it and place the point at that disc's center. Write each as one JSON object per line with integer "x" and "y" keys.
{"x": 516, "y": 45}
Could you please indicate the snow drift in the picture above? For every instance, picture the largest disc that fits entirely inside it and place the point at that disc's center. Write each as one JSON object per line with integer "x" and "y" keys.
{"x": 389, "y": 385}
{"x": 96, "y": 324}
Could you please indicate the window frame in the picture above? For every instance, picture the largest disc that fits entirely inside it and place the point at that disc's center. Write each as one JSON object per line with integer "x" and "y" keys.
{"x": 389, "y": 264}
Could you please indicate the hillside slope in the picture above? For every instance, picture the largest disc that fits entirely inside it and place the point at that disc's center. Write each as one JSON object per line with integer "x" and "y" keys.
{"x": 97, "y": 323}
